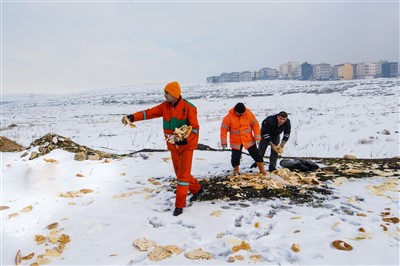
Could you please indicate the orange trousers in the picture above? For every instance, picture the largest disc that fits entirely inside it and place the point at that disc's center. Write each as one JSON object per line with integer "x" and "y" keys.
{"x": 182, "y": 162}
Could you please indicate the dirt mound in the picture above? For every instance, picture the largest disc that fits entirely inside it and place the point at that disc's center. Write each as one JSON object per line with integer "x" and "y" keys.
{"x": 7, "y": 145}
{"x": 50, "y": 142}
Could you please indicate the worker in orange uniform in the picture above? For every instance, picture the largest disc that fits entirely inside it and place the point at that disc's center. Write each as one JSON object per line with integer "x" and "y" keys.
{"x": 244, "y": 131}
{"x": 177, "y": 112}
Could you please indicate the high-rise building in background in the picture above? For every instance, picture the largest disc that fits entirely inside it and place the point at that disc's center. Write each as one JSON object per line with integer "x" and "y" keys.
{"x": 390, "y": 69}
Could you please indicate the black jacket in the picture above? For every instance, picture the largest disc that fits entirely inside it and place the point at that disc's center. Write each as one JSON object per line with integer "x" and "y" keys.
{"x": 270, "y": 127}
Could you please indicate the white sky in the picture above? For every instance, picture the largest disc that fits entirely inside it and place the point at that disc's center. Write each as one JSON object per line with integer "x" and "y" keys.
{"x": 54, "y": 46}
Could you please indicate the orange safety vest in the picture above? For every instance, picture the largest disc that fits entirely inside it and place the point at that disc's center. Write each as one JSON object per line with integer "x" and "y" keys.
{"x": 241, "y": 129}
{"x": 174, "y": 116}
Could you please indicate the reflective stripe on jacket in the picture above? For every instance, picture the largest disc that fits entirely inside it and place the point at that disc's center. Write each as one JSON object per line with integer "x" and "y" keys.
{"x": 241, "y": 129}
{"x": 174, "y": 116}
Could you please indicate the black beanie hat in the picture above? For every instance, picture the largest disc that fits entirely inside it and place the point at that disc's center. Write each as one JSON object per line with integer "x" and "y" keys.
{"x": 240, "y": 108}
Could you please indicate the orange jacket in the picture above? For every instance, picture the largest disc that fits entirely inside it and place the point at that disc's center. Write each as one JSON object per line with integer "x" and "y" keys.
{"x": 241, "y": 129}
{"x": 174, "y": 116}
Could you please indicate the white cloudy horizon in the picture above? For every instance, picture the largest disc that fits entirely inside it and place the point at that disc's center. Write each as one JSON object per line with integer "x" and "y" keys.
{"x": 61, "y": 46}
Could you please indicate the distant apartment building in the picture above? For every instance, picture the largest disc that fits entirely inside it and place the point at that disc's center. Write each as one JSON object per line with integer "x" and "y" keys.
{"x": 347, "y": 72}
{"x": 283, "y": 71}
{"x": 343, "y": 71}
{"x": 224, "y": 77}
{"x": 378, "y": 69}
{"x": 229, "y": 77}
{"x": 213, "y": 79}
{"x": 371, "y": 69}
{"x": 262, "y": 74}
{"x": 274, "y": 73}
{"x": 290, "y": 70}
{"x": 306, "y": 71}
{"x": 247, "y": 76}
{"x": 322, "y": 71}
{"x": 390, "y": 69}
{"x": 267, "y": 73}
{"x": 366, "y": 70}
{"x": 335, "y": 72}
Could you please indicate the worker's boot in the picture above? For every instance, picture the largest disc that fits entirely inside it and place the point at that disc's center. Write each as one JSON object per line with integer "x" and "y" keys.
{"x": 236, "y": 170}
{"x": 261, "y": 168}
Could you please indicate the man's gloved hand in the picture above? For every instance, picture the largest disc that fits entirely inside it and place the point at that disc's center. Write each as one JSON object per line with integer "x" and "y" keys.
{"x": 128, "y": 119}
{"x": 224, "y": 147}
{"x": 274, "y": 147}
{"x": 182, "y": 142}
{"x": 257, "y": 143}
{"x": 277, "y": 148}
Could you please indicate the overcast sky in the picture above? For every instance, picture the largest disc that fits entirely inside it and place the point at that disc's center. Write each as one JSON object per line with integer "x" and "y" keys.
{"x": 73, "y": 46}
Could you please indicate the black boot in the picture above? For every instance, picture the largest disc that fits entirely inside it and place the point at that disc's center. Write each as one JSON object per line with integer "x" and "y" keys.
{"x": 254, "y": 165}
{"x": 177, "y": 211}
{"x": 197, "y": 195}
{"x": 271, "y": 169}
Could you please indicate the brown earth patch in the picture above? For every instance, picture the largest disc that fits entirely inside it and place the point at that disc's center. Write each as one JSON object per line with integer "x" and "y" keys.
{"x": 358, "y": 168}
{"x": 221, "y": 187}
{"x": 7, "y": 145}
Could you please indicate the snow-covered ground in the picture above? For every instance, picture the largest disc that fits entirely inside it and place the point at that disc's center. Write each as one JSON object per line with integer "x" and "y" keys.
{"x": 329, "y": 119}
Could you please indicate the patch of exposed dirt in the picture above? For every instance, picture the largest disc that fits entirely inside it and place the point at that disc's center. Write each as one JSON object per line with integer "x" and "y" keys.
{"x": 7, "y": 145}
{"x": 222, "y": 188}
{"x": 215, "y": 191}
{"x": 358, "y": 168}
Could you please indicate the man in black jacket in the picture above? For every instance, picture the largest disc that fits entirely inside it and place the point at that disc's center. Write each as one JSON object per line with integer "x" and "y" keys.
{"x": 271, "y": 128}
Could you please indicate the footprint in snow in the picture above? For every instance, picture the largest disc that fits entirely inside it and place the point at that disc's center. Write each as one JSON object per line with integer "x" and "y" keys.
{"x": 162, "y": 209}
{"x": 156, "y": 222}
{"x": 347, "y": 211}
{"x": 140, "y": 259}
{"x": 289, "y": 256}
{"x": 95, "y": 228}
{"x": 249, "y": 218}
{"x": 190, "y": 226}
{"x": 86, "y": 203}
{"x": 325, "y": 215}
{"x": 238, "y": 221}
{"x": 350, "y": 205}
{"x": 195, "y": 237}
{"x": 317, "y": 257}
{"x": 164, "y": 205}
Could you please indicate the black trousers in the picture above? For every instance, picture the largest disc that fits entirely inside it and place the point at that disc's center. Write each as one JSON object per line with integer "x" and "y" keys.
{"x": 237, "y": 154}
{"x": 273, "y": 158}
